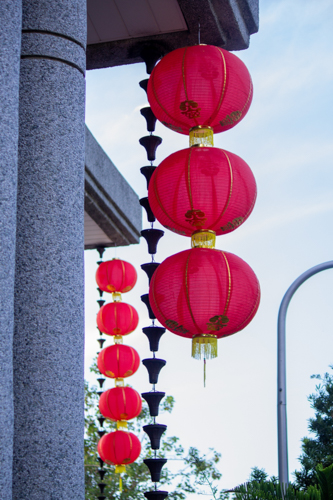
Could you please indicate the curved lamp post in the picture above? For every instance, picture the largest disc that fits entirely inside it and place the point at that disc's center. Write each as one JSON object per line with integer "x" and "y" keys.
{"x": 281, "y": 378}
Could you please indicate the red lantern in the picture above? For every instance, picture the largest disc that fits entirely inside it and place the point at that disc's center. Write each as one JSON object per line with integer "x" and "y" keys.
{"x": 120, "y": 403}
{"x": 117, "y": 318}
{"x": 118, "y": 361}
{"x": 116, "y": 276}
{"x": 202, "y": 86}
{"x": 119, "y": 448}
{"x": 204, "y": 294}
{"x": 202, "y": 188}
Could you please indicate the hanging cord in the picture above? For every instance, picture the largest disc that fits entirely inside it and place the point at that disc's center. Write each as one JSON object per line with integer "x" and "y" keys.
{"x": 204, "y": 372}
{"x": 199, "y": 34}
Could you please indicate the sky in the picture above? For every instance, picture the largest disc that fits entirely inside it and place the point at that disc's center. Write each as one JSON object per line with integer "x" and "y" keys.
{"x": 286, "y": 138}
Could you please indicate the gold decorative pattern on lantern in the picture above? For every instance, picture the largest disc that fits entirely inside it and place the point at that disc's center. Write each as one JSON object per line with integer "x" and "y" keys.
{"x": 196, "y": 218}
{"x": 203, "y": 239}
{"x": 173, "y": 127}
{"x": 217, "y": 322}
{"x": 190, "y": 109}
{"x": 233, "y": 224}
{"x": 231, "y": 119}
{"x": 173, "y": 325}
{"x": 177, "y": 231}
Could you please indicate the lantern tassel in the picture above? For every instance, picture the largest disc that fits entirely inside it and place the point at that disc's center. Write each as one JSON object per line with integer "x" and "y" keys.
{"x": 119, "y": 470}
{"x": 201, "y": 136}
{"x": 203, "y": 239}
{"x": 204, "y": 346}
{"x": 121, "y": 424}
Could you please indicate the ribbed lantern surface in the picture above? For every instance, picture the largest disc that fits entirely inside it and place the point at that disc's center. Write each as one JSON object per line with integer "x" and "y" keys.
{"x": 120, "y": 403}
{"x": 200, "y": 85}
{"x": 119, "y": 448}
{"x": 116, "y": 276}
{"x": 202, "y": 188}
{"x": 204, "y": 291}
{"x": 117, "y": 318}
{"x": 118, "y": 361}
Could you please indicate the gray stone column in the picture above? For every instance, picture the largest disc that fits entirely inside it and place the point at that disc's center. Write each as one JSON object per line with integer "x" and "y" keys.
{"x": 49, "y": 280}
{"x": 10, "y": 45}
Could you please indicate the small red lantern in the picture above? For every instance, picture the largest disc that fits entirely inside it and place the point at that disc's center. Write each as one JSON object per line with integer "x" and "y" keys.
{"x": 120, "y": 403}
{"x": 117, "y": 318}
{"x": 116, "y": 276}
{"x": 203, "y": 86}
{"x": 119, "y": 448}
{"x": 202, "y": 188}
{"x": 204, "y": 294}
{"x": 118, "y": 361}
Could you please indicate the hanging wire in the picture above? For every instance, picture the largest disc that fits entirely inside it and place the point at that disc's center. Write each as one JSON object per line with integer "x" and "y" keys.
{"x": 204, "y": 372}
{"x": 199, "y": 33}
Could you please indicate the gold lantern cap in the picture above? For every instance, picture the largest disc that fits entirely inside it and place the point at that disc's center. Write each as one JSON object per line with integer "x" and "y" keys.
{"x": 201, "y": 136}
{"x": 203, "y": 238}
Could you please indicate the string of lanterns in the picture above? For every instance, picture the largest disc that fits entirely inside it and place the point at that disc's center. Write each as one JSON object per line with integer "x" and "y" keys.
{"x": 101, "y": 471}
{"x": 200, "y": 192}
{"x": 118, "y": 362}
{"x": 202, "y": 293}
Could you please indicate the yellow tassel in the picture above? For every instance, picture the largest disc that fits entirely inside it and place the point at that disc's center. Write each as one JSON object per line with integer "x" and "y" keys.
{"x": 116, "y": 297}
{"x": 118, "y": 339}
{"x": 119, "y": 470}
{"x": 201, "y": 136}
{"x": 121, "y": 424}
{"x": 203, "y": 239}
{"x": 119, "y": 382}
{"x": 204, "y": 345}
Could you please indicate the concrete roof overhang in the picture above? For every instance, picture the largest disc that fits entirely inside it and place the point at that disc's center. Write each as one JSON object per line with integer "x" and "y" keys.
{"x": 112, "y": 210}
{"x": 120, "y": 31}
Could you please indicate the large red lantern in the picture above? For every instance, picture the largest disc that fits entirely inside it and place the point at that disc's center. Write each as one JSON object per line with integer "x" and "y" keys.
{"x": 120, "y": 403}
{"x": 202, "y": 188}
{"x": 118, "y": 361}
{"x": 116, "y": 276}
{"x": 203, "y": 86}
{"x": 117, "y": 318}
{"x": 204, "y": 294}
{"x": 119, "y": 448}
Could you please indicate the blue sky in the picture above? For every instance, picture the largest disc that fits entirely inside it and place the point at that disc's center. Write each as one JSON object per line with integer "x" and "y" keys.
{"x": 286, "y": 138}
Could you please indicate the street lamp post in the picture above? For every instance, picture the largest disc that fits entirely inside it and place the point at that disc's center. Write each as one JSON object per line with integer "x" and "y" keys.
{"x": 281, "y": 374}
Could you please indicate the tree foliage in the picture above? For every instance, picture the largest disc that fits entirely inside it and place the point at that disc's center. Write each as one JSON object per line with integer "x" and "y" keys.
{"x": 325, "y": 481}
{"x": 318, "y": 449}
{"x": 260, "y": 486}
{"x": 185, "y": 472}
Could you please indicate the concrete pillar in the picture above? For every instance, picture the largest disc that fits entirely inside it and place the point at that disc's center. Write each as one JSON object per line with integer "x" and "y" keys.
{"x": 10, "y": 46}
{"x": 49, "y": 280}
